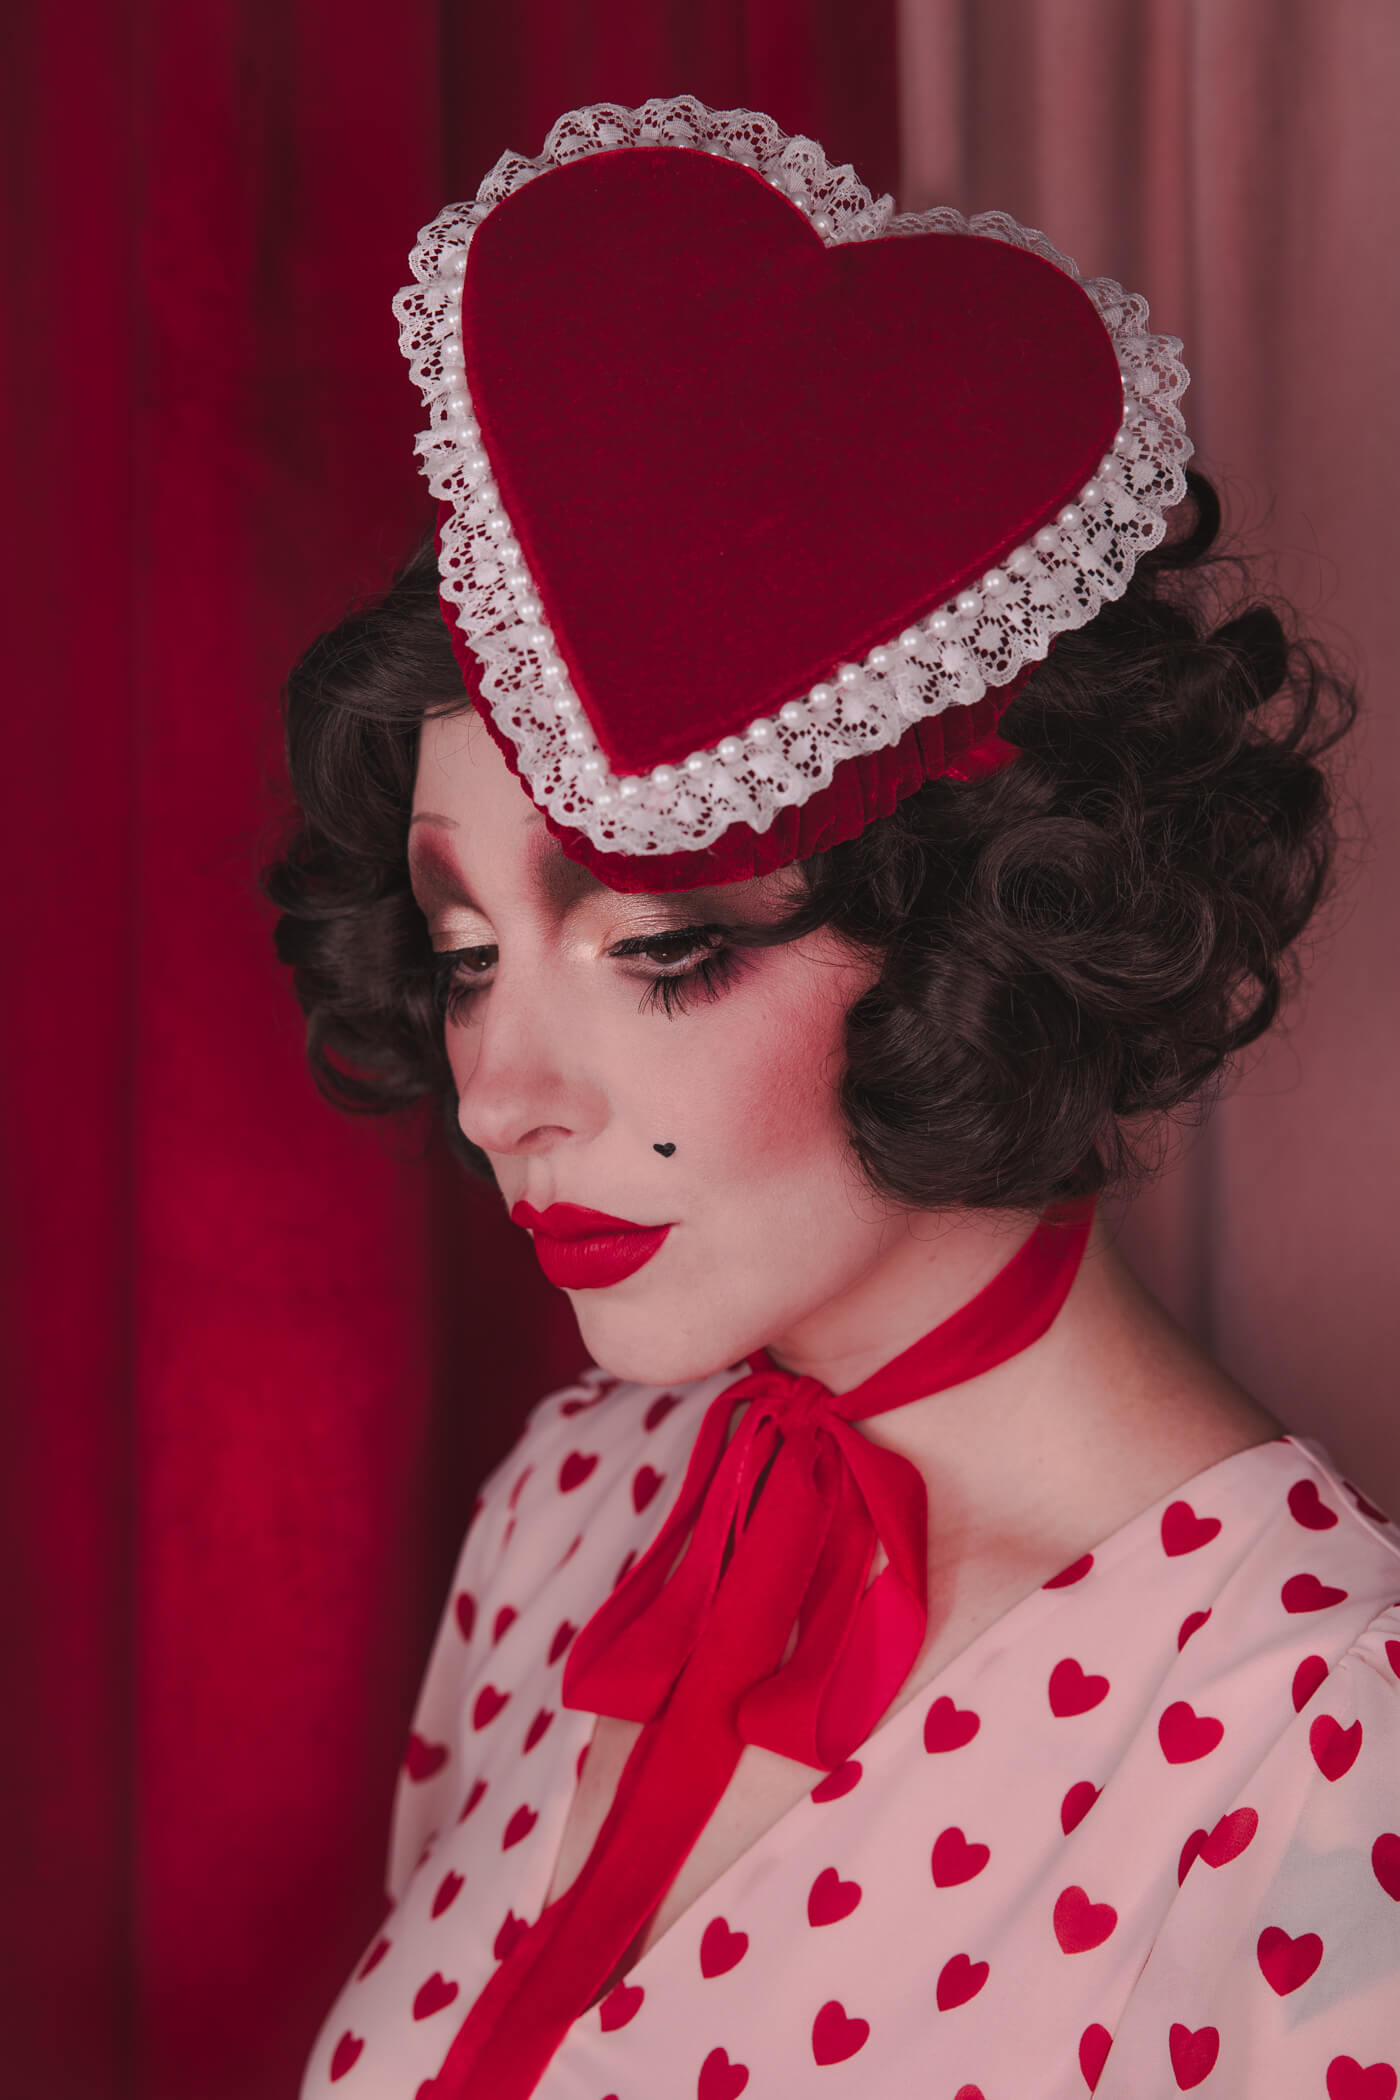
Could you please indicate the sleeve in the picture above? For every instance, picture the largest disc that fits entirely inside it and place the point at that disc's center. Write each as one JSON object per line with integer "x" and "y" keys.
{"x": 1277, "y": 1972}
{"x": 429, "y": 1778}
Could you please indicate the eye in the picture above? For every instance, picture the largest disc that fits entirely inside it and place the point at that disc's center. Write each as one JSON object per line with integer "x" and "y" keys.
{"x": 691, "y": 962}
{"x": 457, "y": 974}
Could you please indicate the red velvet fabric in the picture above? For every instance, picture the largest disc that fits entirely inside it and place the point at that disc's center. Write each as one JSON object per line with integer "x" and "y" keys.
{"x": 254, "y": 1357}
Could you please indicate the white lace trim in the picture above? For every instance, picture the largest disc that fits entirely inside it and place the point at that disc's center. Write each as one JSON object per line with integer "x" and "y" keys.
{"x": 1054, "y": 582}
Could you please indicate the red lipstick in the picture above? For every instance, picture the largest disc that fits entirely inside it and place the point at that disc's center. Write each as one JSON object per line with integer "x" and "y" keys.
{"x": 585, "y": 1250}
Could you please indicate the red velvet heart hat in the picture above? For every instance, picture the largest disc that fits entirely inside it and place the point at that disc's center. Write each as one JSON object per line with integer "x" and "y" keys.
{"x": 758, "y": 499}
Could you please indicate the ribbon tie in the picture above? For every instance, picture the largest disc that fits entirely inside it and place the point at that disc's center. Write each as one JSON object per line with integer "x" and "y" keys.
{"x": 751, "y": 1618}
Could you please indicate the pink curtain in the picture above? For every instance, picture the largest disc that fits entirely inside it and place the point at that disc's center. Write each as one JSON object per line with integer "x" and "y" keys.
{"x": 1236, "y": 161}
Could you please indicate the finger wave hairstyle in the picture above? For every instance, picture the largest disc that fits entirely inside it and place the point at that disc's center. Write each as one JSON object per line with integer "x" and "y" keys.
{"x": 1072, "y": 952}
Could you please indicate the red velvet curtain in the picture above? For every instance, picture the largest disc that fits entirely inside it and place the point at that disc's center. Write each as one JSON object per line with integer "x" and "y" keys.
{"x": 254, "y": 1357}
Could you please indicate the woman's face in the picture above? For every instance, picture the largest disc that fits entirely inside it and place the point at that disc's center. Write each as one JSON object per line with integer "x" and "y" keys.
{"x": 570, "y": 1071}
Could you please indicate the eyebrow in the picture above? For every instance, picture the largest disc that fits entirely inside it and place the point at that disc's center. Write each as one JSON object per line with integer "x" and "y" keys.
{"x": 437, "y": 881}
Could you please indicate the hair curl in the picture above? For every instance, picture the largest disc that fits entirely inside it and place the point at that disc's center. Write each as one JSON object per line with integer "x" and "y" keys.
{"x": 1071, "y": 951}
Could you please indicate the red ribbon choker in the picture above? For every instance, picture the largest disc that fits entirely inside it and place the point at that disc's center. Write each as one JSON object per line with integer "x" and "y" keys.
{"x": 783, "y": 1519}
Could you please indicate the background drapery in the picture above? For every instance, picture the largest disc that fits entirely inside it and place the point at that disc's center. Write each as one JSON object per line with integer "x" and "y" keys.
{"x": 253, "y": 1357}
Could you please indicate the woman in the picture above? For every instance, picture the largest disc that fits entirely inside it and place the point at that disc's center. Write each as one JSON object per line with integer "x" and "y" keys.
{"x": 809, "y": 820}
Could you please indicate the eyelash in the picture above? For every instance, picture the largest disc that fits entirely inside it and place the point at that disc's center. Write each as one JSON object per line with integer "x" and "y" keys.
{"x": 707, "y": 977}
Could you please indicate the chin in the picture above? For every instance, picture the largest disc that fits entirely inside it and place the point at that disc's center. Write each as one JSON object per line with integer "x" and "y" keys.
{"x": 634, "y": 1350}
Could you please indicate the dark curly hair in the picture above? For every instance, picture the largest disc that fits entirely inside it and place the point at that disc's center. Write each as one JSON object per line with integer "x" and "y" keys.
{"x": 1072, "y": 950}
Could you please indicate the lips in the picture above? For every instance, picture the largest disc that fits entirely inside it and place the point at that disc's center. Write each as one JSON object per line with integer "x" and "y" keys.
{"x": 581, "y": 1249}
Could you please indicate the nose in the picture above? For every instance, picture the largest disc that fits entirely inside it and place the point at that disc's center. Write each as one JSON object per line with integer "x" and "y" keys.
{"x": 525, "y": 1082}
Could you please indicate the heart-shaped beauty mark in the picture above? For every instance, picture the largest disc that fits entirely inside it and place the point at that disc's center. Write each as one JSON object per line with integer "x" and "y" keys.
{"x": 1308, "y": 1507}
{"x": 955, "y": 1860}
{"x": 1284, "y": 1962}
{"x": 421, "y": 1759}
{"x": 1183, "y": 1531}
{"x": 576, "y": 1469}
{"x": 1077, "y": 1804}
{"x": 1192, "y": 1623}
{"x": 948, "y": 1727}
{"x": 664, "y": 1150}
{"x": 958, "y": 1980}
{"x": 346, "y": 2054}
{"x": 1079, "y": 1924}
{"x": 645, "y": 1481}
{"x": 621, "y": 2005}
{"x": 432, "y": 1996}
{"x": 830, "y": 1898}
{"x": 1385, "y": 1863}
{"x": 838, "y": 1782}
{"x": 1306, "y": 1679}
{"x": 489, "y": 1702}
{"x": 836, "y": 2035}
{"x": 720, "y": 2079}
{"x": 659, "y": 1409}
{"x": 537, "y": 1727}
{"x": 519, "y": 1826}
{"x": 1307, "y": 1593}
{"x": 1346, "y": 2080}
{"x": 478, "y": 1789}
{"x": 1067, "y": 1577}
{"x": 1094, "y": 2045}
{"x": 1073, "y": 1690}
{"x": 1335, "y": 1749}
{"x": 372, "y": 1960}
{"x": 512, "y": 1929}
{"x": 817, "y": 551}
{"x": 1193, "y": 2054}
{"x": 466, "y": 1613}
{"x": 448, "y": 1890}
{"x": 1232, "y": 1835}
{"x": 720, "y": 1949}
{"x": 503, "y": 1621}
{"x": 1186, "y": 1735}
{"x": 563, "y": 1634}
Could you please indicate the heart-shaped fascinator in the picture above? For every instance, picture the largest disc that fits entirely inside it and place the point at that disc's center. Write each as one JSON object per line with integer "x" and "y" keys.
{"x": 758, "y": 499}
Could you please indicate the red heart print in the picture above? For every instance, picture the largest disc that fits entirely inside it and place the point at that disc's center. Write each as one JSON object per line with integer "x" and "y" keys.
{"x": 1077, "y": 1804}
{"x": 958, "y": 1980}
{"x": 1385, "y": 1863}
{"x": 1079, "y": 1924}
{"x": 537, "y": 1728}
{"x": 1367, "y": 1509}
{"x": 1094, "y": 2045}
{"x": 948, "y": 1727}
{"x": 830, "y": 1898}
{"x": 1306, "y": 1679}
{"x": 563, "y": 1634}
{"x": 1347, "y": 2081}
{"x": 621, "y": 2005}
{"x": 1186, "y": 1735}
{"x": 969, "y": 2092}
{"x": 1183, "y": 1531}
{"x": 720, "y": 1949}
{"x": 1232, "y": 1835}
{"x": 1075, "y": 1572}
{"x": 432, "y": 1996}
{"x": 1193, "y": 2054}
{"x": 505, "y": 1619}
{"x": 579, "y": 1407}
{"x": 346, "y": 2055}
{"x": 622, "y": 1571}
{"x": 449, "y": 1889}
{"x": 580, "y": 1761}
{"x": 427, "y": 1849}
{"x": 1308, "y": 1507}
{"x": 572, "y": 1550}
{"x": 489, "y": 1702}
{"x": 1073, "y": 1691}
{"x": 1284, "y": 1962}
{"x": 576, "y": 1469}
{"x": 838, "y": 1782}
{"x": 1190, "y": 1851}
{"x": 1192, "y": 1623}
{"x": 372, "y": 1960}
{"x": 1335, "y": 1749}
{"x": 478, "y": 1789}
{"x": 466, "y": 1613}
{"x": 837, "y": 2036}
{"x": 519, "y": 1826}
{"x": 1306, "y": 1593}
{"x": 645, "y": 1482}
{"x": 512, "y": 1929}
{"x": 515, "y": 1491}
{"x": 659, "y": 1409}
{"x": 422, "y": 1759}
{"x": 955, "y": 1860}
{"x": 720, "y": 2079}
{"x": 1392, "y": 1655}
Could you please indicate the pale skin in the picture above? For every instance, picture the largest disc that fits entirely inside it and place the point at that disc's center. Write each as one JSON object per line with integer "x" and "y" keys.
{"x": 566, "y": 1082}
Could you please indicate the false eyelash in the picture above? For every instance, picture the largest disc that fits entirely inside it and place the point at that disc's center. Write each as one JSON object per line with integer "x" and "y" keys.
{"x": 673, "y": 993}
